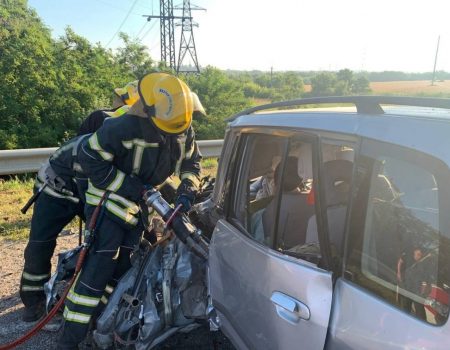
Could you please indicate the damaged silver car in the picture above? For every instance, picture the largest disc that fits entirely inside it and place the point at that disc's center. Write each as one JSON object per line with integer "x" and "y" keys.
{"x": 327, "y": 228}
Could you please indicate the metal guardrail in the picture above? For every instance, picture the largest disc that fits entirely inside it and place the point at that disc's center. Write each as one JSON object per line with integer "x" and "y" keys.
{"x": 21, "y": 161}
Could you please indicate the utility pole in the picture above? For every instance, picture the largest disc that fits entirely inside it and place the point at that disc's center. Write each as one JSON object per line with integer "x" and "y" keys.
{"x": 167, "y": 31}
{"x": 435, "y": 61}
{"x": 271, "y": 76}
{"x": 187, "y": 42}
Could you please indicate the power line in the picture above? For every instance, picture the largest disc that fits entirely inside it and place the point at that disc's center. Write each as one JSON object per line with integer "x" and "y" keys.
{"x": 144, "y": 7}
{"x": 148, "y": 31}
{"x": 123, "y": 22}
{"x": 121, "y": 9}
{"x": 140, "y": 30}
{"x": 155, "y": 46}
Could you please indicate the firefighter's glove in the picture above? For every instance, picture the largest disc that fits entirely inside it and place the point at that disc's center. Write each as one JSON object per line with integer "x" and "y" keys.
{"x": 185, "y": 197}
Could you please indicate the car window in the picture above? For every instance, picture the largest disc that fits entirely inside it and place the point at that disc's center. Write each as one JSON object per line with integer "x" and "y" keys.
{"x": 288, "y": 215}
{"x": 337, "y": 167}
{"x": 399, "y": 244}
{"x": 227, "y": 173}
{"x": 274, "y": 202}
{"x": 255, "y": 186}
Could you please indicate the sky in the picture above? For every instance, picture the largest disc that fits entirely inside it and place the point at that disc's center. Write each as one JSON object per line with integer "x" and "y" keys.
{"x": 298, "y": 35}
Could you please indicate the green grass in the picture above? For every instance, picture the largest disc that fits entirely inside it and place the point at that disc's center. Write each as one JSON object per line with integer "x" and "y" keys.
{"x": 15, "y": 193}
{"x": 209, "y": 166}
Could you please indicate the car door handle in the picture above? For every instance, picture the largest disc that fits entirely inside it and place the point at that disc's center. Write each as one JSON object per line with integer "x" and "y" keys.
{"x": 289, "y": 309}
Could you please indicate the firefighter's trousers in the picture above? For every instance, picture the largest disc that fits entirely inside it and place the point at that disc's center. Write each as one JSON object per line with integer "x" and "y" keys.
{"x": 50, "y": 215}
{"x": 107, "y": 260}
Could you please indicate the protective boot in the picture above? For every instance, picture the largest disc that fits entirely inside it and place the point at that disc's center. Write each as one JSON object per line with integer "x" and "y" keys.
{"x": 34, "y": 312}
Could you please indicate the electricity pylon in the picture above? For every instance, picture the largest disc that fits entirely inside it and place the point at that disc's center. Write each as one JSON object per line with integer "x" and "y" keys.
{"x": 167, "y": 30}
{"x": 187, "y": 42}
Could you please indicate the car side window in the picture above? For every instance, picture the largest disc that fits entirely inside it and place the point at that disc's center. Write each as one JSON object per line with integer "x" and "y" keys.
{"x": 224, "y": 195}
{"x": 288, "y": 215}
{"x": 273, "y": 201}
{"x": 399, "y": 240}
{"x": 254, "y": 182}
{"x": 337, "y": 168}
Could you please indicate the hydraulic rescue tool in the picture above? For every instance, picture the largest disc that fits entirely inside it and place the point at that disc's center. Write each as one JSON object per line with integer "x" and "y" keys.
{"x": 178, "y": 222}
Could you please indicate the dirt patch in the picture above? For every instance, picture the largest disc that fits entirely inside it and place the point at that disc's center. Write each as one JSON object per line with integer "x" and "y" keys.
{"x": 11, "y": 325}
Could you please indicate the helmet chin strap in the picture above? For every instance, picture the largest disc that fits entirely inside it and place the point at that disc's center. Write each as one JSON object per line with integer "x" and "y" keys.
{"x": 150, "y": 110}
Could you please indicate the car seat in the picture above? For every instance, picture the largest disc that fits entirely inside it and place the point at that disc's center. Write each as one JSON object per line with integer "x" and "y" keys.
{"x": 294, "y": 209}
{"x": 337, "y": 176}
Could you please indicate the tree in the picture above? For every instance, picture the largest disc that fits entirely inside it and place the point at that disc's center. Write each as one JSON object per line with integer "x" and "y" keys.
{"x": 87, "y": 75}
{"x": 361, "y": 85}
{"x": 341, "y": 83}
{"x": 286, "y": 86}
{"x": 133, "y": 58}
{"x": 27, "y": 79}
{"x": 345, "y": 75}
{"x": 221, "y": 96}
{"x": 323, "y": 84}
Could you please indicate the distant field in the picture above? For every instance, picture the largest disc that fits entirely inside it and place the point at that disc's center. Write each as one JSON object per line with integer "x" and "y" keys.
{"x": 416, "y": 87}
{"x": 411, "y": 87}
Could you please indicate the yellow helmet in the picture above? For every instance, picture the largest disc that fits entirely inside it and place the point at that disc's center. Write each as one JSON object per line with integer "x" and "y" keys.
{"x": 128, "y": 93}
{"x": 167, "y": 101}
{"x": 198, "y": 107}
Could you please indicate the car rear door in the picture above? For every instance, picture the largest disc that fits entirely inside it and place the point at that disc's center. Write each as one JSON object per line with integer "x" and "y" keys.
{"x": 394, "y": 293}
{"x": 270, "y": 295}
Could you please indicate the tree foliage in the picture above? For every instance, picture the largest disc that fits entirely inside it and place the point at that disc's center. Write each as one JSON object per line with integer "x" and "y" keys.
{"x": 274, "y": 86}
{"x": 133, "y": 58}
{"x": 221, "y": 97}
{"x": 47, "y": 86}
{"x": 341, "y": 83}
{"x": 27, "y": 80}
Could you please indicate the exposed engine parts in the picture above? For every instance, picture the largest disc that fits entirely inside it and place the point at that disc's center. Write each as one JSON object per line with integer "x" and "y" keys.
{"x": 164, "y": 292}
{"x": 180, "y": 224}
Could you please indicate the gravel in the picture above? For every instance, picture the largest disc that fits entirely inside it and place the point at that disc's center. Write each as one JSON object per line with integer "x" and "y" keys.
{"x": 11, "y": 307}
{"x": 11, "y": 325}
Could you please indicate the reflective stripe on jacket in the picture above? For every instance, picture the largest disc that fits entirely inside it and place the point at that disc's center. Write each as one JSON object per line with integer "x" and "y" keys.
{"x": 128, "y": 152}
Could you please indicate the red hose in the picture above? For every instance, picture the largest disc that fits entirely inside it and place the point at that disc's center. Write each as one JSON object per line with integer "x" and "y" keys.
{"x": 60, "y": 302}
{"x": 52, "y": 312}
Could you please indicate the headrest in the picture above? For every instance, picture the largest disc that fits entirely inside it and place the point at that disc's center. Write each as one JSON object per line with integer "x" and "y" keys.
{"x": 291, "y": 180}
{"x": 337, "y": 177}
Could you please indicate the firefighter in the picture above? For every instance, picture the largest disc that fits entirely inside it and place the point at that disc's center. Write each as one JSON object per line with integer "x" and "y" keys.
{"x": 57, "y": 204}
{"x": 144, "y": 147}
{"x": 123, "y": 98}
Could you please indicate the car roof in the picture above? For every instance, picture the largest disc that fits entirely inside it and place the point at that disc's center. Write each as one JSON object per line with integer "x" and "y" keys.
{"x": 424, "y": 128}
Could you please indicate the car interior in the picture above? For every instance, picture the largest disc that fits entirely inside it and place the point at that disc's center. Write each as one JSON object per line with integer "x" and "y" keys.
{"x": 292, "y": 219}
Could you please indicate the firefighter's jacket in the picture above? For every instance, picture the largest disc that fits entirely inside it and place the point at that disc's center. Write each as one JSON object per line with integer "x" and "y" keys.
{"x": 62, "y": 171}
{"x": 129, "y": 152}
{"x": 95, "y": 120}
